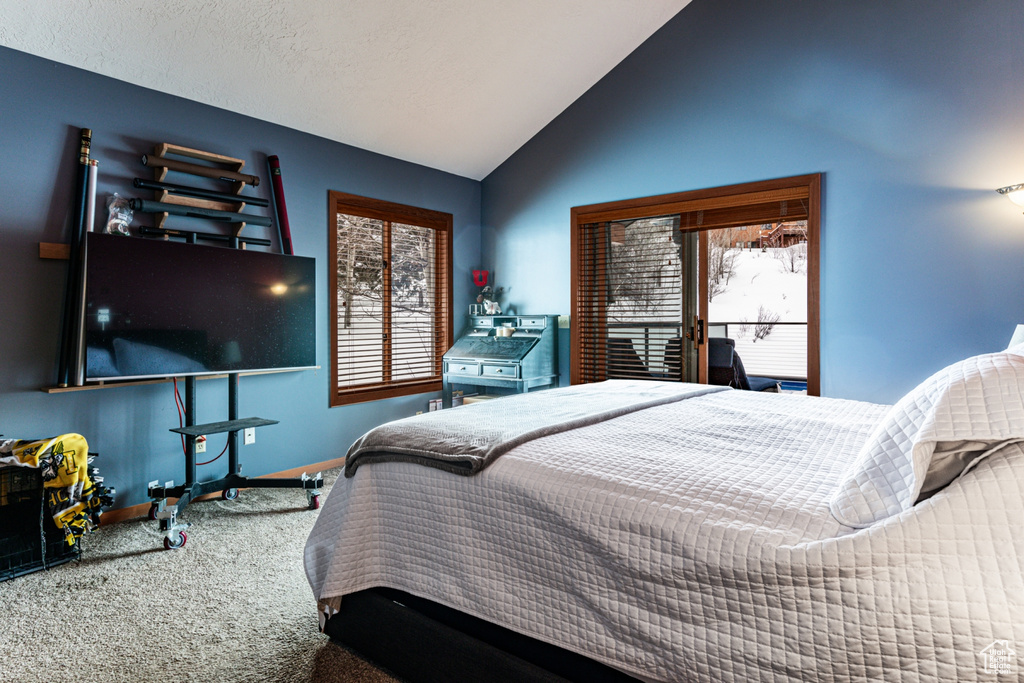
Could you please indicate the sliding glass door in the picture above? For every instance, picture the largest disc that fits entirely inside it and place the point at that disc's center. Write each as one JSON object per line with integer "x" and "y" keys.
{"x": 647, "y": 273}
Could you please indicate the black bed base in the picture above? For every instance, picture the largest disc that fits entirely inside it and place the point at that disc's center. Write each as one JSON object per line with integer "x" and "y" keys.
{"x": 423, "y": 642}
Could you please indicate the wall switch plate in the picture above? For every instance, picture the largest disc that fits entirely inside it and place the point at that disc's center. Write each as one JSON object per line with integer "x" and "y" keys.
{"x": 563, "y": 322}
{"x": 200, "y": 444}
{"x": 250, "y": 436}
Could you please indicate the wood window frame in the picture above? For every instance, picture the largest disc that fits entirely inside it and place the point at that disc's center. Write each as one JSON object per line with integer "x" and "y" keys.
{"x": 441, "y": 223}
{"x": 719, "y": 205}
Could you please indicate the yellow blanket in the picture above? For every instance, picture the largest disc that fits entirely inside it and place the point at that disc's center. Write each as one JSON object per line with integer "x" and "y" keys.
{"x": 64, "y": 463}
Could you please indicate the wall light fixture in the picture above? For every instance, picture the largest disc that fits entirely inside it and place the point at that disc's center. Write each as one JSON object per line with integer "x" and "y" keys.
{"x": 1015, "y": 193}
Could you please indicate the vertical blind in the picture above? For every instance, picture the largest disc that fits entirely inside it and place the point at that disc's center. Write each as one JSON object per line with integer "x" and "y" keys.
{"x": 392, "y": 303}
{"x": 629, "y": 299}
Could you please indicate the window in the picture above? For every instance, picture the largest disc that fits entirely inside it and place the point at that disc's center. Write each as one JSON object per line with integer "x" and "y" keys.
{"x": 391, "y": 307}
{"x": 644, "y": 272}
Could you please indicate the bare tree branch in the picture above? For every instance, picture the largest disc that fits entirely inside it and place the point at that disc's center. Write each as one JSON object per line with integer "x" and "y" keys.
{"x": 766, "y": 320}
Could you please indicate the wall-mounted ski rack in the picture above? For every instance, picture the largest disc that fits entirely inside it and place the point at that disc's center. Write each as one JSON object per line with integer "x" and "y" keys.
{"x": 211, "y": 204}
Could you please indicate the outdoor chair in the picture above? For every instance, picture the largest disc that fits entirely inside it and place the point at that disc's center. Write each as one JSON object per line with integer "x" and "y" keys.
{"x": 725, "y": 368}
{"x": 624, "y": 362}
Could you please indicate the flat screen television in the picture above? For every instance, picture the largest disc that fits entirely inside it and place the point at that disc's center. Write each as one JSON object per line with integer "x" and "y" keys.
{"x": 156, "y": 308}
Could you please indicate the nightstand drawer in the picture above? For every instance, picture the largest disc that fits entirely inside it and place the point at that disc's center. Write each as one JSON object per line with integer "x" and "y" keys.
{"x": 467, "y": 369}
{"x": 509, "y": 371}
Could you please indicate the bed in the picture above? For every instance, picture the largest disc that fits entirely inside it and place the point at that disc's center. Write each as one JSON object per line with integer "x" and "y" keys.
{"x": 671, "y": 532}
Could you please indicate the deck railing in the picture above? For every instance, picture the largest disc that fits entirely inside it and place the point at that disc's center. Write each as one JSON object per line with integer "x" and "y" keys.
{"x": 781, "y": 354}
{"x": 649, "y": 340}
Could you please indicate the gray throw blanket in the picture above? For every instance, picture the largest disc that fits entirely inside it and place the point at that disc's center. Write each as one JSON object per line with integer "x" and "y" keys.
{"x": 465, "y": 440}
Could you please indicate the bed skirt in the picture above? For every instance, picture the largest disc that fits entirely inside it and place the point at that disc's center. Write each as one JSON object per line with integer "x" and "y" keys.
{"x": 423, "y": 642}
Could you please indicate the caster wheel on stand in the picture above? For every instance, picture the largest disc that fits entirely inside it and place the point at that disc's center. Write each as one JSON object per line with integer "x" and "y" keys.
{"x": 314, "y": 502}
{"x": 171, "y": 545}
{"x": 153, "y": 509}
{"x": 229, "y": 494}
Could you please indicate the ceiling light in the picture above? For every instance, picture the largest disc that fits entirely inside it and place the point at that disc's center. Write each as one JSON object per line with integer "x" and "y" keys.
{"x": 1015, "y": 193}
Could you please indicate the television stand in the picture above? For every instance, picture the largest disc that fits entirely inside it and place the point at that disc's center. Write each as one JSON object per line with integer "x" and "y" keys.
{"x": 168, "y": 514}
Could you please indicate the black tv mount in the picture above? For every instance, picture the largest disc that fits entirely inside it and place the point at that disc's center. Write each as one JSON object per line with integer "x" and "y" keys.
{"x": 168, "y": 514}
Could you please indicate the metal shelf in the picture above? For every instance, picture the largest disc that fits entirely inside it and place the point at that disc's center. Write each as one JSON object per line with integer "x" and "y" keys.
{"x": 225, "y": 426}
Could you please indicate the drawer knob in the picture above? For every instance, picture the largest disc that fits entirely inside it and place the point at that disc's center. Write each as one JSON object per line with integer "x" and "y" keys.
{"x": 499, "y": 371}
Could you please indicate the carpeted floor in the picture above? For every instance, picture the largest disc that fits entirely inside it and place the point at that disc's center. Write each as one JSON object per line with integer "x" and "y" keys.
{"x": 232, "y": 605}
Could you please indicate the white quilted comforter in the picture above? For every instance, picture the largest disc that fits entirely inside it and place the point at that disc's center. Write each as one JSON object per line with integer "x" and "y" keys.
{"x": 694, "y": 541}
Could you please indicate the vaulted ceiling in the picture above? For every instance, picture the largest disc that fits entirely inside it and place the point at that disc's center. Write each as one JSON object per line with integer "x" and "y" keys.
{"x": 456, "y": 85}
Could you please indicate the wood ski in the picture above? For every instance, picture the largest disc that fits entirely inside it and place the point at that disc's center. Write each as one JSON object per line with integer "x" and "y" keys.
{"x": 282, "y": 210}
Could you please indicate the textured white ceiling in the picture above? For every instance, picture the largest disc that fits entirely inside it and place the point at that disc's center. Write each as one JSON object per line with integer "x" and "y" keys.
{"x": 457, "y": 85}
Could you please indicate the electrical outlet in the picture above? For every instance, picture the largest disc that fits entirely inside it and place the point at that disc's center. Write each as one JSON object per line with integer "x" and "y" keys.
{"x": 200, "y": 444}
{"x": 250, "y": 435}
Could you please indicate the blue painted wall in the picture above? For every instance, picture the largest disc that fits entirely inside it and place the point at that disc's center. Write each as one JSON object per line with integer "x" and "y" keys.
{"x": 42, "y": 106}
{"x": 911, "y": 109}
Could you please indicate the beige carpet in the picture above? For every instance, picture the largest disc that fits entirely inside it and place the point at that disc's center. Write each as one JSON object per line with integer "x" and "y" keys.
{"x": 232, "y": 605}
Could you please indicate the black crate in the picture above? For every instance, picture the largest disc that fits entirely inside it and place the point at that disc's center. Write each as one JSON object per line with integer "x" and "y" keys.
{"x": 29, "y": 540}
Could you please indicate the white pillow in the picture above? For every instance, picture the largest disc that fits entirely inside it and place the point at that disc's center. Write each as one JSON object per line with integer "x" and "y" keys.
{"x": 946, "y": 424}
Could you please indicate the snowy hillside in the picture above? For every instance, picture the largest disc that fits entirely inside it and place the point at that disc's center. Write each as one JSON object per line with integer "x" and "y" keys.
{"x": 759, "y": 280}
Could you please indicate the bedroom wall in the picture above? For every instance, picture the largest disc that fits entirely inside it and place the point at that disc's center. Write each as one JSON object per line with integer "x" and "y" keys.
{"x": 911, "y": 109}
{"x": 42, "y": 106}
